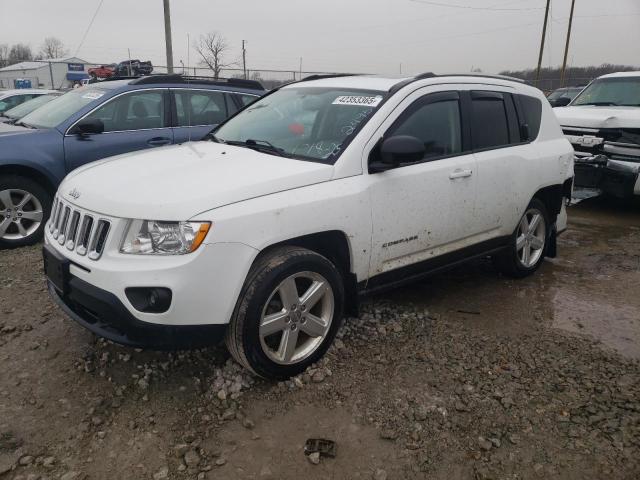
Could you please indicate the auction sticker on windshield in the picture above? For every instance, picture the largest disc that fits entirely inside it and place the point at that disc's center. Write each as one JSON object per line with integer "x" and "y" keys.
{"x": 93, "y": 95}
{"x": 358, "y": 100}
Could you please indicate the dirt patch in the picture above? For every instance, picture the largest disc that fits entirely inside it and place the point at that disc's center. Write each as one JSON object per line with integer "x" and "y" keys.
{"x": 467, "y": 375}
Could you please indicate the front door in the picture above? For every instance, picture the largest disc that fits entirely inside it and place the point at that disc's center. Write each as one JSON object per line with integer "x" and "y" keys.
{"x": 424, "y": 209}
{"x": 133, "y": 121}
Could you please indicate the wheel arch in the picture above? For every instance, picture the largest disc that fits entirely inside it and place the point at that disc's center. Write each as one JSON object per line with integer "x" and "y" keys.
{"x": 335, "y": 246}
{"x": 32, "y": 173}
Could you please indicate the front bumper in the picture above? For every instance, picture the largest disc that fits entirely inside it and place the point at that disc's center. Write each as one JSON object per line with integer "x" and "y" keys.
{"x": 104, "y": 314}
{"x": 615, "y": 177}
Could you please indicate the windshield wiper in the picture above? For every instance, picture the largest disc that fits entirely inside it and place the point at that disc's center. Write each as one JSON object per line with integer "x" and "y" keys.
{"x": 259, "y": 145}
{"x": 600, "y": 104}
{"x": 26, "y": 125}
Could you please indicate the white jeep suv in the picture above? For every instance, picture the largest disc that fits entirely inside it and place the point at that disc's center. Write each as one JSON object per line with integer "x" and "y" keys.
{"x": 319, "y": 192}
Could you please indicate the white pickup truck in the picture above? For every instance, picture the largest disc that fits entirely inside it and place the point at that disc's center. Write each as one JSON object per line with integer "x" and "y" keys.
{"x": 603, "y": 124}
{"x": 321, "y": 191}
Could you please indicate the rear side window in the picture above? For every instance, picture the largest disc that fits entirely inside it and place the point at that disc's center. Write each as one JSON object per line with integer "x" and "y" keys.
{"x": 530, "y": 112}
{"x": 489, "y": 124}
{"x": 199, "y": 107}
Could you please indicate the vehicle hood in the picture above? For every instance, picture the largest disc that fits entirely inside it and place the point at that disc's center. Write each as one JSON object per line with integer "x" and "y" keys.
{"x": 591, "y": 116}
{"x": 9, "y": 128}
{"x": 180, "y": 181}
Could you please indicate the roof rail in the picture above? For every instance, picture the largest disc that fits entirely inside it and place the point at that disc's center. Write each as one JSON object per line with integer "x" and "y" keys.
{"x": 187, "y": 79}
{"x": 470, "y": 74}
{"x": 328, "y": 75}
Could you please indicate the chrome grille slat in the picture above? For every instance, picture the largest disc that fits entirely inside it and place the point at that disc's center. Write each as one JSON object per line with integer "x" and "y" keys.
{"x": 66, "y": 215}
{"x": 78, "y": 230}
{"x": 73, "y": 230}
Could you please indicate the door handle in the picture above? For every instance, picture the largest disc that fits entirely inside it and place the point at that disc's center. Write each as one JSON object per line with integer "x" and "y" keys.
{"x": 157, "y": 141}
{"x": 459, "y": 173}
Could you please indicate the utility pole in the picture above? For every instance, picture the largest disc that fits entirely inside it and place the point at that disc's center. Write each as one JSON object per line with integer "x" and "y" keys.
{"x": 544, "y": 34}
{"x": 51, "y": 75}
{"x": 129, "y": 63}
{"x": 167, "y": 36}
{"x": 244, "y": 59}
{"x": 300, "y": 68}
{"x": 566, "y": 47}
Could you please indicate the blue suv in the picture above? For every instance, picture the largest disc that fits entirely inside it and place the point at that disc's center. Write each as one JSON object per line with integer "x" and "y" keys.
{"x": 97, "y": 121}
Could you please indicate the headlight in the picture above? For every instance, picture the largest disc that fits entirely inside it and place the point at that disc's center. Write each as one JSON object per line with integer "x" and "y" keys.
{"x": 154, "y": 237}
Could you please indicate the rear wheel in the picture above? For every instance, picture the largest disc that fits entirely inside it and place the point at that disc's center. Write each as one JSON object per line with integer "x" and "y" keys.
{"x": 288, "y": 313}
{"x": 24, "y": 207}
{"x": 528, "y": 243}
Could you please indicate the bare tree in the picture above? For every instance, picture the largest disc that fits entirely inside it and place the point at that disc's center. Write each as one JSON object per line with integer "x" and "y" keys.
{"x": 4, "y": 55}
{"x": 212, "y": 48}
{"x": 19, "y": 52}
{"x": 53, "y": 48}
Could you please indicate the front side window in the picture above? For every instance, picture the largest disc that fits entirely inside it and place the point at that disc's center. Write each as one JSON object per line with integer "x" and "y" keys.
{"x": 200, "y": 108}
{"x": 616, "y": 91}
{"x": 57, "y": 111}
{"x": 489, "y": 125}
{"x": 313, "y": 123}
{"x": 436, "y": 124}
{"x": 132, "y": 111}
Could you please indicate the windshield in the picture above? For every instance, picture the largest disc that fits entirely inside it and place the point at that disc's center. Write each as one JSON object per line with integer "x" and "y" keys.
{"x": 57, "y": 111}
{"x": 564, "y": 92}
{"x": 611, "y": 92}
{"x": 305, "y": 122}
{"x": 28, "y": 107}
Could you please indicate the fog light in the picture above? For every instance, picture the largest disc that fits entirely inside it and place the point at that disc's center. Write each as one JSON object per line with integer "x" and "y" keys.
{"x": 149, "y": 299}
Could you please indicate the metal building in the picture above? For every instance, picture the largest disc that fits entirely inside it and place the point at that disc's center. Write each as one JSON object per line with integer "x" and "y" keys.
{"x": 54, "y": 73}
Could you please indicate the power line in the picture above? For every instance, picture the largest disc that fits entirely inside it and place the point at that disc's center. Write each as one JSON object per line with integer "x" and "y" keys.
{"x": 89, "y": 27}
{"x": 469, "y": 7}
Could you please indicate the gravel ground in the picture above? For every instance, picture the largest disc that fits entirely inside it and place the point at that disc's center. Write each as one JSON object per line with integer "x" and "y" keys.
{"x": 467, "y": 375}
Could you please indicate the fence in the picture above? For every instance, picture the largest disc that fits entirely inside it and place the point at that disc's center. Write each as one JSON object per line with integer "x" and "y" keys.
{"x": 270, "y": 78}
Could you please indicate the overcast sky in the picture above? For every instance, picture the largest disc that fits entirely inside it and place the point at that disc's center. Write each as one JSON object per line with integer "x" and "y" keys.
{"x": 338, "y": 35}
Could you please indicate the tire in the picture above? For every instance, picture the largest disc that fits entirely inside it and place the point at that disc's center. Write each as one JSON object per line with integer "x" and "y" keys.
{"x": 262, "y": 325}
{"x": 23, "y": 225}
{"x": 513, "y": 262}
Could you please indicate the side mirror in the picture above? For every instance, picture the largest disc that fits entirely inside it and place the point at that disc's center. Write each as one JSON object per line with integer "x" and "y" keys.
{"x": 397, "y": 150}
{"x": 89, "y": 126}
{"x": 561, "y": 102}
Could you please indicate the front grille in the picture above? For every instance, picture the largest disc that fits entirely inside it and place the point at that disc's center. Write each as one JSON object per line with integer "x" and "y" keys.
{"x": 78, "y": 230}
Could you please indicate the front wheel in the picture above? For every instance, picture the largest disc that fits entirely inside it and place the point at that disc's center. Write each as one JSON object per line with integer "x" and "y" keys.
{"x": 24, "y": 207}
{"x": 288, "y": 313}
{"x": 528, "y": 243}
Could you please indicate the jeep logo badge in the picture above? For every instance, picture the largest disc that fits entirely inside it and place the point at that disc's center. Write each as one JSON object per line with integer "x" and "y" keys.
{"x": 75, "y": 194}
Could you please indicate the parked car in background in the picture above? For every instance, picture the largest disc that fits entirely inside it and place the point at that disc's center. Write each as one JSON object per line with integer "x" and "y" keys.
{"x": 134, "y": 67}
{"x": 563, "y": 96}
{"x": 103, "y": 71}
{"x": 603, "y": 124}
{"x": 13, "y": 98}
{"x": 320, "y": 191}
{"x": 98, "y": 121}
{"x": 16, "y": 113}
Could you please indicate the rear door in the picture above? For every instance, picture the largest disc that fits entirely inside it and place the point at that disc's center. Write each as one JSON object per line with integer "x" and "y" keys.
{"x": 133, "y": 121}
{"x": 506, "y": 162}
{"x": 197, "y": 112}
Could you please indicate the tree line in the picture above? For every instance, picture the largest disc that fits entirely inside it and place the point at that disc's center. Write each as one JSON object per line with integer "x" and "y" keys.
{"x": 51, "y": 47}
{"x": 574, "y": 76}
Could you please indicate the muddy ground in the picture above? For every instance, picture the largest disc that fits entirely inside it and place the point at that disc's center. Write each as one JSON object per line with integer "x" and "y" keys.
{"x": 467, "y": 375}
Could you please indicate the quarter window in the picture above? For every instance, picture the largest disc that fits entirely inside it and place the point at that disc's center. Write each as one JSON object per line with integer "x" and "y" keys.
{"x": 132, "y": 111}
{"x": 200, "y": 108}
{"x": 437, "y": 124}
{"x": 489, "y": 125}
{"x": 531, "y": 109}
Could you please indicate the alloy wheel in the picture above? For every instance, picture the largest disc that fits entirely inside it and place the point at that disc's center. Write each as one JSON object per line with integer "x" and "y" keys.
{"x": 21, "y": 214}
{"x": 296, "y": 318}
{"x": 531, "y": 237}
